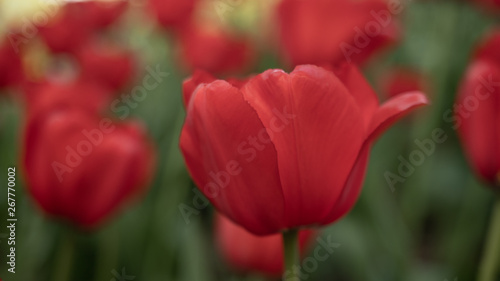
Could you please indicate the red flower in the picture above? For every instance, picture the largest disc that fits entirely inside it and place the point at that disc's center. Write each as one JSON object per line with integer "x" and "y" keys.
{"x": 214, "y": 50}
{"x": 49, "y": 96}
{"x": 172, "y": 13}
{"x": 80, "y": 167}
{"x": 106, "y": 64}
{"x": 401, "y": 80}
{"x": 76, "y": 22}
{"x": 250, "y": 253}
{"x": 478, "y": 111}
{"x": 11, "y": 72}
{"x": 325, "y": 31}
{"x": 286, "y": 150}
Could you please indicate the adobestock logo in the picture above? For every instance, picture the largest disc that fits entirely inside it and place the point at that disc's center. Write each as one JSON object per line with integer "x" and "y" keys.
{"x": 249, "y": 148}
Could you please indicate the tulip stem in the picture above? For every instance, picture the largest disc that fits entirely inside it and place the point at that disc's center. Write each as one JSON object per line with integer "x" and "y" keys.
{"x": 491, "y": 259}
{"x": 64, "y": 257}
{"x": 291, "y": 254}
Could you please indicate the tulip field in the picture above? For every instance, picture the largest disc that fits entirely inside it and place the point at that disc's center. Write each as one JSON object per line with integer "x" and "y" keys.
{"x": 207, "y": 140}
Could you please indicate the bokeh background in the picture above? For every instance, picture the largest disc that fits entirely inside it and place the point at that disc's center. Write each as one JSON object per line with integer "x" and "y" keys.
{"x": 431, "y": 227}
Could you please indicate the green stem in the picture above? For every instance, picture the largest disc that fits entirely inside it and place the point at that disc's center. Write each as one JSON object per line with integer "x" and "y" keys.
{"x": 64, "y": 258}
{"x": 108, "y": 252}
{"x": 491, "y": 259}
{"x": 291, "y": 254}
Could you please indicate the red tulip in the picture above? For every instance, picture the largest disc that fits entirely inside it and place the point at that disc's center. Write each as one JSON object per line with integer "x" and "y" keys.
{"x": 478, "y": 112}
{"x": 214, "y": 50}
{"x": 172, "y": 13}
{"x": 82, "y": 168}
{"x": 401, "y": 80}
{"x": 286, "y": 150}
{"x": 325, "y": 31}
{"x": 48, "y": 96}
{"x": 106, "y": 64}
{"x": 11, "y": 72}
{"x": 250, "y": 253}
{"x": 76, "y": 22}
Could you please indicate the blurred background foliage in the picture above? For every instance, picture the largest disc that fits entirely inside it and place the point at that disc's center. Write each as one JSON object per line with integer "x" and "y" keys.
{"x": 431, "y": 227}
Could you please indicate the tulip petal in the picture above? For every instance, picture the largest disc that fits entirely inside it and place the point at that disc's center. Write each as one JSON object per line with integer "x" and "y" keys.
{"x": 317, "y": 131}
{"x": 231, "y": 158}
{"x": 190, "y": 84}
{"x": 384, "y": 117}
{"x": 352, "y": 188}
{"x": 393, "y": 110}
{"x": 359, "y": 88}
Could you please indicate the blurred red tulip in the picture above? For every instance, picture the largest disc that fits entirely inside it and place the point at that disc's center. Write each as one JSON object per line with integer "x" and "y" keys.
{"x": 402, "y": 80}
{"x": 49, "y": 96}
{"x": 478, "y": 112}
{"x": 215, "y": 50}
{"x": 75, "y": 23}
{"x": 286, "y": 150}
{"x": 325, "y": 31}
{"x": 82, "y": 168}
{"x": 106, "y": 64}
{"x": 250, "y": 253}
{"x": 172, "y": 13}
{"x": 11, "y": 70}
